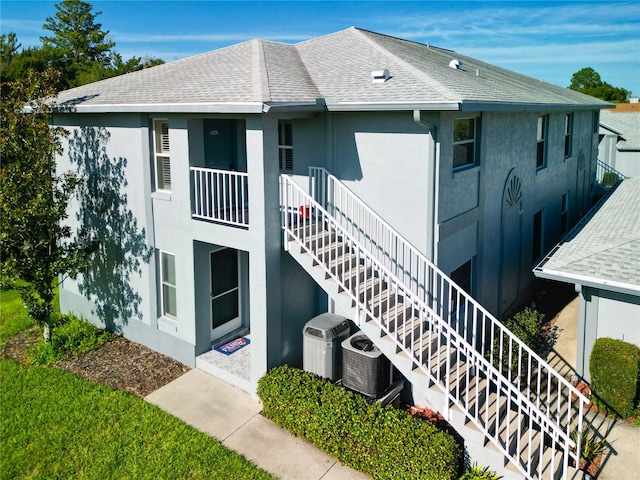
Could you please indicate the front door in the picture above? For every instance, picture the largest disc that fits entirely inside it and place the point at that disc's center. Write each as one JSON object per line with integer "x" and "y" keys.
{"x": 219, "y": 151}
{"x": 225, "y": 292}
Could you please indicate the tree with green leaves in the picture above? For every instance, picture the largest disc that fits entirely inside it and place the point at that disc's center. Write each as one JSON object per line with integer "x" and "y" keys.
{"x": 77, "y": 40}
{"x": 588, "y": 81}
{"x": 37, "y": 247}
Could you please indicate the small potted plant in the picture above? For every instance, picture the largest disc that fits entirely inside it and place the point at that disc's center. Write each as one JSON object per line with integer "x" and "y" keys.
{"x": 591, "y": 450}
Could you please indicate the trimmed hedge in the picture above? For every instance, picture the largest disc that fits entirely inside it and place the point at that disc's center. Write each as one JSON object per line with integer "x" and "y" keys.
{"x": 614, "y": 376}
{"x": 383, "y": 442}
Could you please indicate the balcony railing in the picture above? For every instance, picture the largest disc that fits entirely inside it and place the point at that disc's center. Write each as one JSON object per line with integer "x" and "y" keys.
{"x": 220, "y": 196}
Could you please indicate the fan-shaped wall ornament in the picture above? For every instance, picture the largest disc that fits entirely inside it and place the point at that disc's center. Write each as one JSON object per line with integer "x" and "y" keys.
{"x": 513, "y": 193}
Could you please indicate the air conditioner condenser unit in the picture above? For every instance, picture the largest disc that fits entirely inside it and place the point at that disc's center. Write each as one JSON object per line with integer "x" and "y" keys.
{"x": 365, "y": 369}
{"x": 322, "y": 336}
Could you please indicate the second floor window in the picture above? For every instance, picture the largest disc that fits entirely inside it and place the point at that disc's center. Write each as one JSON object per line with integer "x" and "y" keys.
{"x": 464, "y": 142}
{"x": 162, "y": 163}
{"x": 541, "y": 156}
{"x": 568, "y": 133}
{"x": 285, "y": 146}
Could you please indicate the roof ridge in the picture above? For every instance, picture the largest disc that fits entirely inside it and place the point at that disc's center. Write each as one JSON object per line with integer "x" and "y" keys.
{"x": 260, "y": 73}
{"x": 439, "y": 87}
{"x": 393, "y": 37}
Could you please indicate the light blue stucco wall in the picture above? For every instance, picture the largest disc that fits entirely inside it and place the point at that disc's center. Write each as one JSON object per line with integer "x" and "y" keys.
{"x": 111, "y": 152}
{"x": 387, "y": 160}
{"x": 470, "y": 213}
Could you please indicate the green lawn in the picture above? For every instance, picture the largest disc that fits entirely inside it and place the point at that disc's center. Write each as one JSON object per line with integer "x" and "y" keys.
{"x": 55, "y": 425}
{"x": 13, "y": 317}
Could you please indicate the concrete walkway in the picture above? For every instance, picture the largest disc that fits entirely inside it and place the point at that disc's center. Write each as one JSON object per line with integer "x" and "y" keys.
{"x": 230, "y": 415}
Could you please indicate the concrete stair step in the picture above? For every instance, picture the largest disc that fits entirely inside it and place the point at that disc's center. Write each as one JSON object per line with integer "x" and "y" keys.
{"x": 320, "y": 239}
{"x": 307, "y": 229}
{"x": 383, "y": 301}
{"x": 330, "y": 251}
{"x": 342, "y": 265}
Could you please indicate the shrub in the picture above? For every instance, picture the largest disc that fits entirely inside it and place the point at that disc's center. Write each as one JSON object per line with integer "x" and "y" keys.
{"x": 477, "y": 472}
{"x": 72, "y": 337}
{"x": 527, "y": 326}
{"x": 609, "y": 179}
{"x": 614, "y": 376}
{"x": 382, "y": 442}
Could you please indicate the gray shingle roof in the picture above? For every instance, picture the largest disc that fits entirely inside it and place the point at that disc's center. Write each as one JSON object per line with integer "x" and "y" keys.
{"x": 606, "y": 249}
{"x": 335, "y": 67}
{"x": 626, "y": 122}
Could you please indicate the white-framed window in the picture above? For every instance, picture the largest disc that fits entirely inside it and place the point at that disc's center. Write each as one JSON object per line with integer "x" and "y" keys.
{"x": 541, "y": 154}
{"x": 168, "y": 300}
{"x": 537, "y": 244}
{"x": 568, "y": 134}
{"x": 464, "y": 142}
{"x": 161, "y": 155}
{"x": 285, "y": 146}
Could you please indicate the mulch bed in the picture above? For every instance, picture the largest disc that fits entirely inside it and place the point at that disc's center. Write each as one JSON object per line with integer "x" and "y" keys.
{"x": 119, "y": 364}
{"x": 437, "y": 419}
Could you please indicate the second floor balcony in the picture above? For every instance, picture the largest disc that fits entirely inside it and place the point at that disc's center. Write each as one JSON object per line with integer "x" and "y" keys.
{"x": 220, "y": 196}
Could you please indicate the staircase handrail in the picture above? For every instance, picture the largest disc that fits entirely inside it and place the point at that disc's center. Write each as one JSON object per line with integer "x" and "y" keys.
{"x": 461, "y": 296}
{"x": 318, "y": 213}
{"x": 603, "y": 168}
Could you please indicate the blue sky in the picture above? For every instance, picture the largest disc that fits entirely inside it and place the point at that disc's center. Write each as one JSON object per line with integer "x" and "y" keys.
{"x": 545, "y": 40}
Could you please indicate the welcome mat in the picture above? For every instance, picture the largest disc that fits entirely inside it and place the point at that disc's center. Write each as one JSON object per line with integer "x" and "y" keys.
{"x": 232, "y": 346}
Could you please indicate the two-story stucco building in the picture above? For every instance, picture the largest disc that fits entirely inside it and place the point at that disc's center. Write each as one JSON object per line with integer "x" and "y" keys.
{"x": 444, "y": 174}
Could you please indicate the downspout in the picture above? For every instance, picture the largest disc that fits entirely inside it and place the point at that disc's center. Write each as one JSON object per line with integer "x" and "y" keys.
{"x": 417, "y": 118}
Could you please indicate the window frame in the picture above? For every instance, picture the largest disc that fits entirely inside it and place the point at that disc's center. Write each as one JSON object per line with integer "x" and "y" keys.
{"x": 160, "y": 155}
{"x": 596, "y": 122}
{"x": 541, "y": 141}
{"x": 473, "y": 141}
{"x": 165, "y": 282}
{"x": 285, "y": 146}
{"x": 568, "y": 135}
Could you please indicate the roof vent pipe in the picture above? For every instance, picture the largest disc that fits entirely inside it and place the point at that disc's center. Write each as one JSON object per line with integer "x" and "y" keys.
{"x": 455, "y": 64}
{"x": 380, "y": 75}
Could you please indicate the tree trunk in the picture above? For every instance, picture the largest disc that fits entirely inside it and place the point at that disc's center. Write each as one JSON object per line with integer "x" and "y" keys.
{"x": 46, "y": 332}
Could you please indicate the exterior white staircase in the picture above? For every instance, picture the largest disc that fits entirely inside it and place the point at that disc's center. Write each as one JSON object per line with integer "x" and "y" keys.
{"x": 514, "y": 411}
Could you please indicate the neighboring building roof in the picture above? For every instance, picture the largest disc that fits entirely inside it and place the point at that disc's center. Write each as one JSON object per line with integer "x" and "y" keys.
{"x": 332, "y": 72}
{"x": 603, "y": 251}
{"x": 626, "y": 124}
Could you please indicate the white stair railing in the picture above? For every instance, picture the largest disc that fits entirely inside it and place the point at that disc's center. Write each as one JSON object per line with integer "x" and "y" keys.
{"x": 540, "y": 395}
{"x": 608, "y": 176}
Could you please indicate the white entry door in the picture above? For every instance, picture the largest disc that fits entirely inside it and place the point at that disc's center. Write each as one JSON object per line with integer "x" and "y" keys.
{"x": 225, "y": 292}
